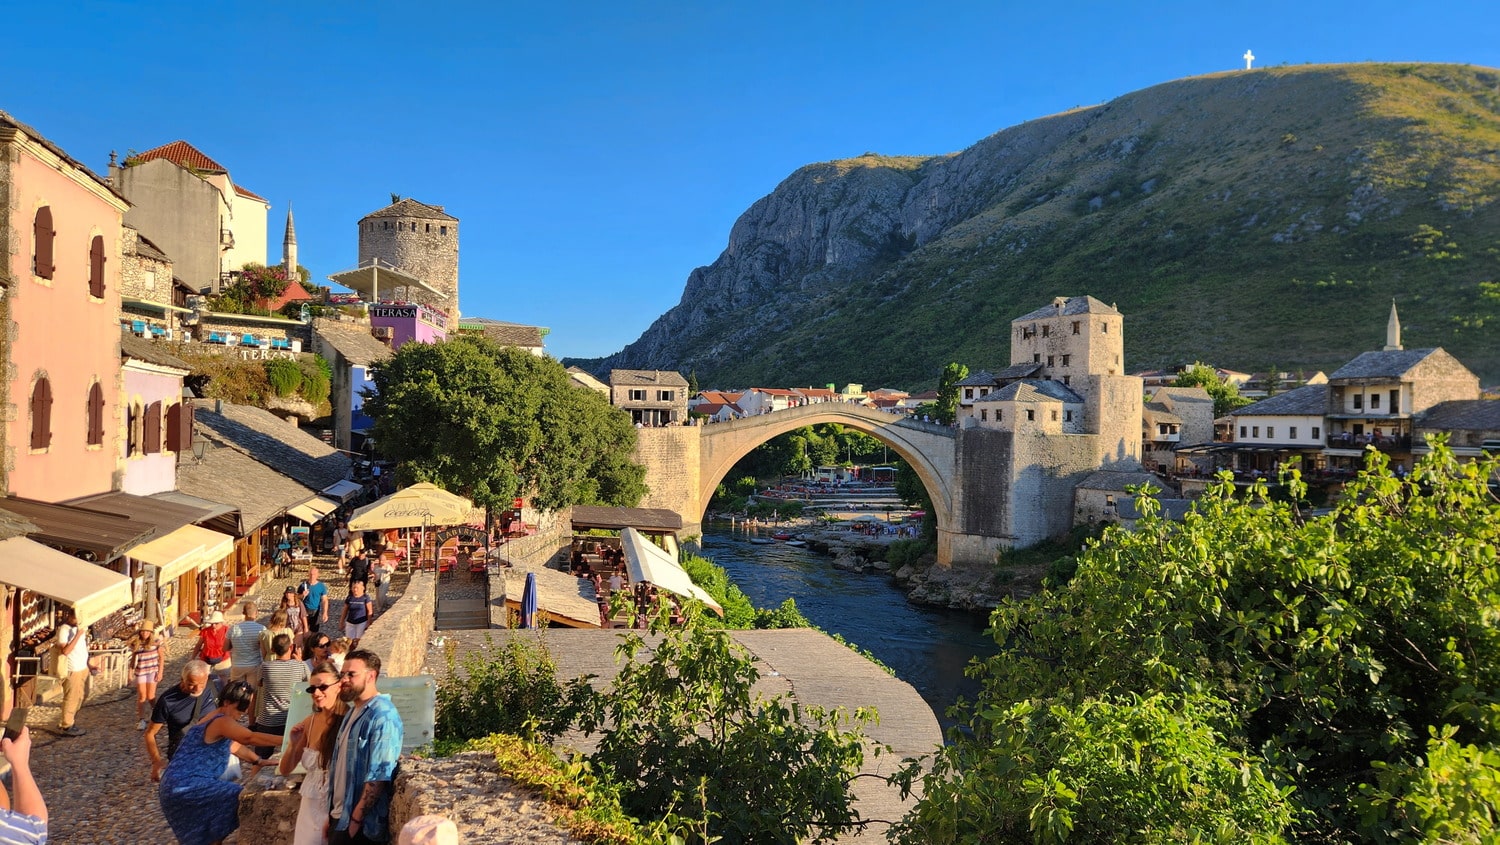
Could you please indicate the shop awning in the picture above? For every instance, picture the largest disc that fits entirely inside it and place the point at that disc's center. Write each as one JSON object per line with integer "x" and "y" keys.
{"x": 314, "y": 509}
{"x": 342, "y": 490}
{"x": 653, "y": 520}
{"x": 188, "y": 549}
{"x": 91, "y": 590}
{"x": 104, "y": 535}
{"x": 647, "y": 561}
{"x": 410, "y": 507}
{"x": 220, "y": 517}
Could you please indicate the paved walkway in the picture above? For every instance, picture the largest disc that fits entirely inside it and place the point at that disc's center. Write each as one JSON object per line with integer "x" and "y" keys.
{"x": 811, "y": 666}
{"x": 98, "y": 786}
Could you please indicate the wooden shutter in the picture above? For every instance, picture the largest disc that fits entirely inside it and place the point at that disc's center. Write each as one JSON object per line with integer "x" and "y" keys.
{"x": 41, "y": 414}
{"x": 96, "y": 267}
{"x": 152, "y": 432}
{"x": 96, "y": 415}
{"x": 42, "y": 236}
{"x": 174, "y": 427}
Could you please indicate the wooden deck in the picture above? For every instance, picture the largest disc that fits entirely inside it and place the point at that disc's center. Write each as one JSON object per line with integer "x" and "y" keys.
{"x": 807, "y": 664}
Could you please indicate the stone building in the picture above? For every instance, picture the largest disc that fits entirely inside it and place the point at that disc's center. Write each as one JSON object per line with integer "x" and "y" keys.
{"x": 419, "y": 239}
{"x": 153, "y": 299}
{"x": 652, "y": 397}
{"x": 190, "y": 207}
{"x": 1174, "y": 417}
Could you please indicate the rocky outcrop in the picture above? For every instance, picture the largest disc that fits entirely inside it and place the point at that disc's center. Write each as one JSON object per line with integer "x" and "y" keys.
{"x": 1205, "y": 208}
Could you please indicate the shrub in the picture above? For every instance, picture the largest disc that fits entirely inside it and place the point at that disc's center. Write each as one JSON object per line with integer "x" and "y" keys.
{"x": 738, "y": 611}
{"x": 315, "y": 382}
{"x": 285, "y": 376}
{"x": 683, "y": 732}
{"x": 510, "y": 689}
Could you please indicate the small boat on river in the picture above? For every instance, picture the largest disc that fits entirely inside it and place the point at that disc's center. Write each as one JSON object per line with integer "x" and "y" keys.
{"x": 762, "y": 541}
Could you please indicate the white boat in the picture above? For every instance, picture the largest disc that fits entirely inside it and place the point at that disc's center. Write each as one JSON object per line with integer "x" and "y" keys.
{"x": 798, "y": 543}
{"x": 762, "y": 541}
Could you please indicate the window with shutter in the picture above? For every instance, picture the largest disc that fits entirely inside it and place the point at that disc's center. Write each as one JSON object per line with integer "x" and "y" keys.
{"x": 133, "y": 431}
{"x": 174, "y": 427}
{"x": 41, "y": 414}
{"x": 96, "y": 415}
{"x": 42, "y": 237}
{"x": 152, "y": 434}
{"x": 96, "y": 267}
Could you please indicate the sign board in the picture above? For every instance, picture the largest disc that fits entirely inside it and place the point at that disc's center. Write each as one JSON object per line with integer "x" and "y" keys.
{"x": 415, "y": 699}
{"x": 394, "y": 312}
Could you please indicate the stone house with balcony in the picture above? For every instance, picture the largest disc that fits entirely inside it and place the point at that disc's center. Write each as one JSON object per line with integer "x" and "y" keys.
{"x": 153, "y": 300}
{"x": 1171, "y": 418}
{"x": 190, "y": 208}
{"x": 1374, "y": 399}
{"x": 653, "y": 398}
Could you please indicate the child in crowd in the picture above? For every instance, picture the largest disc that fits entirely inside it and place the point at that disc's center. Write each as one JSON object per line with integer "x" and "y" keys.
{"x": 337, "y": 650}
{"x": 146, "y": 661}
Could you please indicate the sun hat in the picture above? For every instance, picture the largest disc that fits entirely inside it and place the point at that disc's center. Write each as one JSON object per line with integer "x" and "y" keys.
{"x": 216, "y": 618}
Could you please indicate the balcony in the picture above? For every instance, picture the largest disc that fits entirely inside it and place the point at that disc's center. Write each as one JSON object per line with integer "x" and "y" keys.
{"x": 1383, "y": 443}
{"x": 226, "y": 239}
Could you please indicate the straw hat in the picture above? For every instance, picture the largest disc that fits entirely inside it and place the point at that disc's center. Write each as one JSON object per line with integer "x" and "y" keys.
{"x": 216, "y": 618}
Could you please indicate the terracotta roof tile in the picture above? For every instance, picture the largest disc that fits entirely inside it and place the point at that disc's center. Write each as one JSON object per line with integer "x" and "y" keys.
{"x": 246, "y": 192}
{"x": 182, "y": 154}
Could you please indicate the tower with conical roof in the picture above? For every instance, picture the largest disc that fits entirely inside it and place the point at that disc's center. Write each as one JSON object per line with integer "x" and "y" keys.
{"x": 420, "y": 240}
{"x": 1393, "y": 331}
{"x": 289, "y": 246}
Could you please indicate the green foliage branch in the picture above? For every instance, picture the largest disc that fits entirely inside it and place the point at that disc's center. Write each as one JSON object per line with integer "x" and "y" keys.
{"x": 682, "y": 727}
{"x": 1353, "y": 660}
{"x": 495, "y": 422}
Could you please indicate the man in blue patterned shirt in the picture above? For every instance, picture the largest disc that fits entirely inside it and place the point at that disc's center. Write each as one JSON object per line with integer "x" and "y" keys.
{"x": 365, "y": 756}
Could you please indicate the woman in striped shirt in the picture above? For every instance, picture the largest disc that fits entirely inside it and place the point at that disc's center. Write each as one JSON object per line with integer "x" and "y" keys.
{"x": 145, "y": 668}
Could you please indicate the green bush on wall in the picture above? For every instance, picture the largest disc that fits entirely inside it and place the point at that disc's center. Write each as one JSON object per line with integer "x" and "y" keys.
{"x": 285, "y": 376}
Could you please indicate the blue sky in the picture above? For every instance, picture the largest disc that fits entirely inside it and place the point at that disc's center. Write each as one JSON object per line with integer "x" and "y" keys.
{"x": 597, "y": 152}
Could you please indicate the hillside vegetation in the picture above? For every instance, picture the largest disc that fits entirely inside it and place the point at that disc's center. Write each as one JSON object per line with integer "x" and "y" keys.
{"x": 1250, "y": 218}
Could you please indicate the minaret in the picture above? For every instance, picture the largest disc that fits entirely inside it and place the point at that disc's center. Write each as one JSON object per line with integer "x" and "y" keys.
{"x": 1393, "y": 331}
{"x": 289, "y": 246}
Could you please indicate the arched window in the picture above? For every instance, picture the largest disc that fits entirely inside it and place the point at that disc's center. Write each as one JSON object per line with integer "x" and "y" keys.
{"x": 152, "y": 429}
{"x": 41, "y": 414}
{"x": 96, "y": 267}
{"x": 42, "y": 237}
{"x": 95, "y": 415}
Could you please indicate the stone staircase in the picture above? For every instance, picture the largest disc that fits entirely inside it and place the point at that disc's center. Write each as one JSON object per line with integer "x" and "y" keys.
{"x": 461, "y": 615}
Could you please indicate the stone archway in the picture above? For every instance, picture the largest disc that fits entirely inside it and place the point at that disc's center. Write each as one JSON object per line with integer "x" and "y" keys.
{"x": 927, "y": 447}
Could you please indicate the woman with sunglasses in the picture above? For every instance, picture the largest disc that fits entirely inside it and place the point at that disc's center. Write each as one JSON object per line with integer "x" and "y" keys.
{"x": 312, "y": 746}
{"x": 315, "y": 650}
{"x": 200, "y": 808}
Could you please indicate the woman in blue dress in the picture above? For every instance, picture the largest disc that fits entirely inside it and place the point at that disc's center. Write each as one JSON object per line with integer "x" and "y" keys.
{"x": 200, "y": 808}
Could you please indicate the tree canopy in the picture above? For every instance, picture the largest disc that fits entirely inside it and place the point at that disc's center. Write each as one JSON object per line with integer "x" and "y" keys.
{"x": 1249, "y": 674}
{"x": 494, "y": 422}
{"x": 1225, "y": 393}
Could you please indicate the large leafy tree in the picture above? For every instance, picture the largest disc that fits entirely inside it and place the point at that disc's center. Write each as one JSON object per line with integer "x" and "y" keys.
{"x": 947, "y": 401}
{"x": 1225, "y": 393}
{"x": 494, "y": 422}
{"x": 1345, "y": 669}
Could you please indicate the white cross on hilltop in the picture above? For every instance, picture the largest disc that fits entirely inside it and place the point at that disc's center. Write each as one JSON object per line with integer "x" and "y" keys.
{"x": 1248, "y": 57}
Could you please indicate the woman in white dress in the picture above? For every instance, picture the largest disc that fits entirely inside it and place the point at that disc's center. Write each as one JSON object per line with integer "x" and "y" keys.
{"x": 312, "y": 745}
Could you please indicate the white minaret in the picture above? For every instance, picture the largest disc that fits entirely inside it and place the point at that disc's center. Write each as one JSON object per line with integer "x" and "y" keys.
{"x": 1248, "y": 57}
{"x": 289, "y": 246}
{"x": 1393, "y": 331}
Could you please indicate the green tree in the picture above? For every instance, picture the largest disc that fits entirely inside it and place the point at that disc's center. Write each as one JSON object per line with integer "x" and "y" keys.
{"x": 1226, "y": 394}
{"x": 494, "y": 422}
{"x": 683, "y": 731}
{"x": 947, "y": 401}
{"x": 1352, "y": 659}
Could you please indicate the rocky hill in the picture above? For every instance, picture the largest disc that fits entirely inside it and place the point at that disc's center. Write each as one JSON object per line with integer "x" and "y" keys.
{"x": 1251, "y": 219}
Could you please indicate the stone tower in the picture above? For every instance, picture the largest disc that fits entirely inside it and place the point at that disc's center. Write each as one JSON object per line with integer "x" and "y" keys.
{"x": 418, "y": 239}
{"x": 289, "y": 246}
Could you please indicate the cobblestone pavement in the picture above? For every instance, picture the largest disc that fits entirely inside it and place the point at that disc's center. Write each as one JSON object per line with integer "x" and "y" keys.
{"x": 98, "y": 786}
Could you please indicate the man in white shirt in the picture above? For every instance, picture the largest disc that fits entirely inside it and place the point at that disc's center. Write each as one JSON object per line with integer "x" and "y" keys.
{"x": 71, "y": 644}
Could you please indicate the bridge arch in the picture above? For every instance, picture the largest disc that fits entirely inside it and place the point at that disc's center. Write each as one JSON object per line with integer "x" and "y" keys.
{"x": 927, "y": 447}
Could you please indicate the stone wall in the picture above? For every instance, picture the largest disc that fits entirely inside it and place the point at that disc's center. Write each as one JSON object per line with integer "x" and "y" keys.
{"x": 267, "y": 328}
{"x": 400, "y": 634}
{"x": 551, "y": 540}
{"x": 1046, "y": 471}
{"x": 672, "y": 459}
{"x": 424, "y": 247}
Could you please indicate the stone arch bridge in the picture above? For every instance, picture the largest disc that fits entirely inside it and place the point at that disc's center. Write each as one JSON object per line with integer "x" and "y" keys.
{"x": 685, "y": 464}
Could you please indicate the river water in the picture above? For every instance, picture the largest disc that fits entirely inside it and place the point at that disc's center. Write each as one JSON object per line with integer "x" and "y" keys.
{"x": 928, "y": 648}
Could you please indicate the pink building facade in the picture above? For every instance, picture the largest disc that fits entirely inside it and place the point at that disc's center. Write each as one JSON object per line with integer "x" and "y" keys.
{"x": 63, "y": 225}
{"x": 151, "y": 438}
{"x": 409, "y": 321}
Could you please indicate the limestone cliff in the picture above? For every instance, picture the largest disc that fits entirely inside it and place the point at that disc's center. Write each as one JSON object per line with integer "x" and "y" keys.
{"x": 1248, "y": 218}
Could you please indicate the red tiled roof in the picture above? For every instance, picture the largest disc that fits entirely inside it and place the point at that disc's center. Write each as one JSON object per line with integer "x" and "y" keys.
{"x": 182, "y": 154}
{"x": 246, "y": 192}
